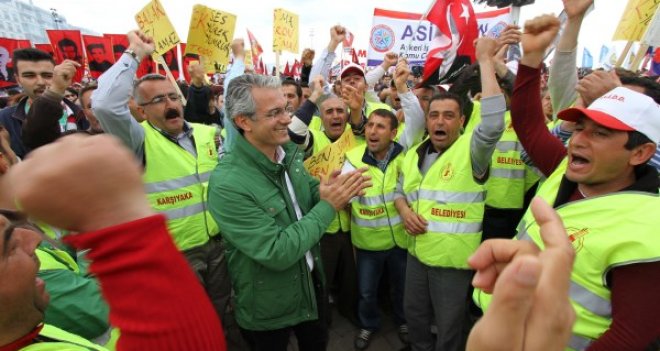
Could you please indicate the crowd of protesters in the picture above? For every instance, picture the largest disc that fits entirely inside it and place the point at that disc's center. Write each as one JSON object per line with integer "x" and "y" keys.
{"x": 513, "y": 208}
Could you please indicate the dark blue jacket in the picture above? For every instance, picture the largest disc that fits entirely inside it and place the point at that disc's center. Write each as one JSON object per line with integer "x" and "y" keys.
{"x": 13, "y": 117}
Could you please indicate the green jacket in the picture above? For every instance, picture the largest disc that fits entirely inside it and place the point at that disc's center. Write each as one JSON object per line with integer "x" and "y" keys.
{"x": 266, "y": 243}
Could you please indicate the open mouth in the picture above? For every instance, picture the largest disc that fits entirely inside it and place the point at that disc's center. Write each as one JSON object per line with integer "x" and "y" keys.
{"x": 578, "y": 160}
{"x": 440, "y": 133}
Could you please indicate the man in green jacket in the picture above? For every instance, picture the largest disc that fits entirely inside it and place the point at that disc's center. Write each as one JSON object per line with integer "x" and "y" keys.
{"x": 272, "y": 214}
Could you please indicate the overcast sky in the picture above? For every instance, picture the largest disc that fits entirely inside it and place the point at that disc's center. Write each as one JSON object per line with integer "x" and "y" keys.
{"x": 316, "y": 17}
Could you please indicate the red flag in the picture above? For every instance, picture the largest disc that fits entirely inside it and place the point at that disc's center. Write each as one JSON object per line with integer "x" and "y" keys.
{"x": 296, "y": 69}
{"x": 171, "y": 58}
{"x": 147, "y": 66}
{"x": 452, "y": 47}
{"x": 185, "y": 62}
{"x": 259, "y": 68}
{"x": 255, "y": 48}
{"x": 7, "y": 47}
{"x": 46, "y": 48}
{"x": 355, "y": 58}
{"x": 287, "y": 70}
{"x": 24, "y": 43}
{"x": 67, "y": 44}
{"x": 99, "y": 53}
{"x": 119, "y": 44}
{"x": 348, "y": 40}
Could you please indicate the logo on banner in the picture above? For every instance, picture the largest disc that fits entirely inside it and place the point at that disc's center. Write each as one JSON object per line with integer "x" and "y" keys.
{"x": 382, "y": 38}
{"x": 496, "y": 31}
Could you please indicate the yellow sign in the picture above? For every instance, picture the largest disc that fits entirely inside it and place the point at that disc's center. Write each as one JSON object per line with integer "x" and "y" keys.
{"x": 210, "y": 34}
{"x": 248, "y": 58}
{"x": 153, "y": 21}
{"x": 332, "y": 157}
{"x": 636, "y": 18}
{"x": 285, "y": 31}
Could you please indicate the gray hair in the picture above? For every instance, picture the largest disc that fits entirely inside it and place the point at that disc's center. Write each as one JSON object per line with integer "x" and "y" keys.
{"x": 147, "y": 77}
{"x": 239, "y": 100}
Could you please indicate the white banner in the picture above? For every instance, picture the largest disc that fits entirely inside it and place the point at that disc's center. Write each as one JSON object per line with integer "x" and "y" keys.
{"x": 404, "y": 34}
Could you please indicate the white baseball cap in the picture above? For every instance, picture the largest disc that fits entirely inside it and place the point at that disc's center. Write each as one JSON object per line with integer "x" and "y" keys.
{"x": 351, "y": 68}
{"x": 621, "y": 109}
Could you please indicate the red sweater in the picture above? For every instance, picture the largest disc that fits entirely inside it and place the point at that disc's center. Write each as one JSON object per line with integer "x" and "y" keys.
{"x": 635, "y": 287}
{"x": 155, "y": 299}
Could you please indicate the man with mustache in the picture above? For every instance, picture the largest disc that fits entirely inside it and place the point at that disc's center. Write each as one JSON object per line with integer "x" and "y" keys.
{"x": 442, "y": 210}
{"x": 177, "y": 156}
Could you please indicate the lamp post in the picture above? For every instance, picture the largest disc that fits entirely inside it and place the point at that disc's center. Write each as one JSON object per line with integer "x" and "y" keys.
{"x": 56, "y": 17}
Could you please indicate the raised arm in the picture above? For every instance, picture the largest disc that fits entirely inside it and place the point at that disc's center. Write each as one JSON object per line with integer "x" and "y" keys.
{"x": 323, "y": 64}
{"x": 110, "y": 100}
{"x": 493, "y": 106}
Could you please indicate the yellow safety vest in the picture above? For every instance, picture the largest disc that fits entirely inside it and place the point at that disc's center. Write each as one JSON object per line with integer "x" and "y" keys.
{"x": 509, "y": 177}
{"x": 606, "y": 231}
{"x": 177, "y": 183}
{"x": 61, "y": 341}
{"x": 342, "y": 219}
{"x": 376, "y": 224}
{"x": 452, "y": 203}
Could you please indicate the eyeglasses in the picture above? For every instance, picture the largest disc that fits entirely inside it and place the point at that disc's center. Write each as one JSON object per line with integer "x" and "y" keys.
{"x": 174, "y": 97}
{"x": 276, "y": 113}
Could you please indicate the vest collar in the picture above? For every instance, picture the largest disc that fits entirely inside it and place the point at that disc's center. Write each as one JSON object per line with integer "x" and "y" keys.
{"x": 646, "y": 181}
{"x": 370, "y": 160}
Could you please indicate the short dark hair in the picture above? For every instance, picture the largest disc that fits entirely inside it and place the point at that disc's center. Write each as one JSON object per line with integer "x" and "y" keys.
{"x": 31, "y": 55}
{"x": 118, "y": 48}
{"x": 636, "y": 139}
{"x": 445, "y": 95}
{"x": 385, "y": 113}
{"x": 90, "y": 47}
{"x": 289, "y": 81}
{"x": 147, "y": 77}
{"x": 651, "y": 88}
{"x": 86, "y": 88}
{"x": 67, "y": 42}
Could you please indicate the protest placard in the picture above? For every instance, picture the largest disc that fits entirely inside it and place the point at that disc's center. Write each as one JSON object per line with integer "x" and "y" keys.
{"x": 285, "y": 31}
{"x": 153, "y": 21}
{"x": 332, "y": 157}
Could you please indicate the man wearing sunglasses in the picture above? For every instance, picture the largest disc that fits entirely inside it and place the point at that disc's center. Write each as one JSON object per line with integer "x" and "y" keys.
{"x": 177, "y": 156}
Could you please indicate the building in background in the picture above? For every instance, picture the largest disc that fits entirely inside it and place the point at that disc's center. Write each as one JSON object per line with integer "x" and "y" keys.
{"x": 23, "y": 20}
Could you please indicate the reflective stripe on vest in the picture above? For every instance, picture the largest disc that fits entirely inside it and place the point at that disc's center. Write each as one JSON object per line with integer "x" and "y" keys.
{"x": 176, "y": 183}
{"x": 450, "y": 200}
{"x": 376, "y": 199}
{"x": 445, "y": 196}
{"x": 508, "y": 173}
{"x": 376, "y": 224}
{"x": 603, "y": 238}
{"x": 506, "y": 146}
{"x": 454, "y": 227}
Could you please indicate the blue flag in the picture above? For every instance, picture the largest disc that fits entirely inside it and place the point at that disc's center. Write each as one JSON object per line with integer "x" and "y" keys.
{"x": 587, "y": 59}
{"x": 604, "y": 50}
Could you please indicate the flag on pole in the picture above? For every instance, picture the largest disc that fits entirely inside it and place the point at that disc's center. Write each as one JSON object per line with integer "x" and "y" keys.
{"x": 67, "y": 45}
{"x": 604, "y": 50}
{"x": 452, "y": 47}
{"x": 587, "y": 59}
{"x": 255, "y": 48}
{"x": 348, "y": 40}
{"x": 655, "y": 64}
{"x": 287, "y": 70}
